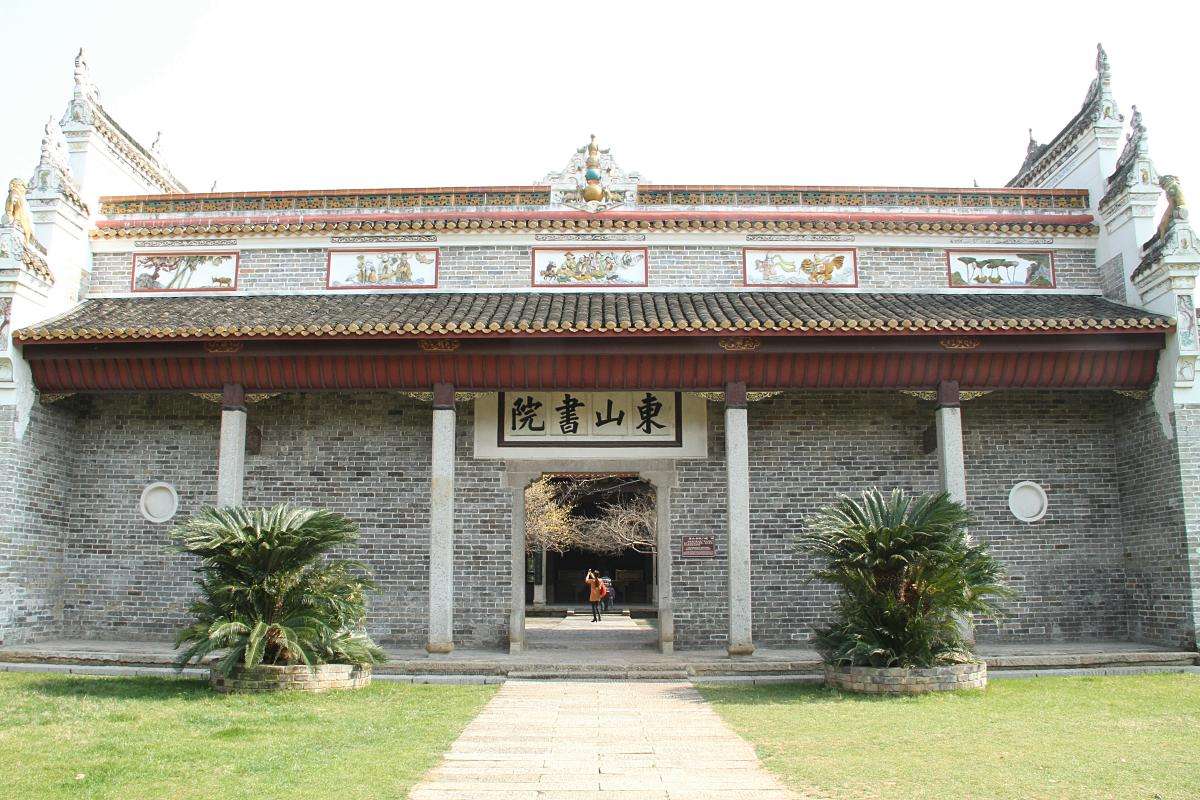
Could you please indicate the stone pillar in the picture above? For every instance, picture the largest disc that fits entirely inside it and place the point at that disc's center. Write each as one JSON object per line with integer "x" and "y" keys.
{"x": 516, "y": 612}
{"x": 231, "y": 460}
{"x": 441, "y": 523}
{"x": 948, "y": 421}
{"x": 539, "y": 588}
{"x": 662, "y": 568}
{"x": 951, "y": 467}
{"x": 737, "y": 465}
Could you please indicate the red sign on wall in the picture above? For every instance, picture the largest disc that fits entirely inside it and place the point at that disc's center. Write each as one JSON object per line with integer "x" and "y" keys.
{"x": 699, "y": 547}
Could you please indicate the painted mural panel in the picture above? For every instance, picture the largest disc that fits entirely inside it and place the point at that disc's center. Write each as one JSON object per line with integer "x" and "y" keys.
{"x": 589, "y": 419}
{"x": 594, "y": 266}
{"x": 1185, "y": 325}
{"x": 415, "y": 268}
{"x": 1000, "y": 269}
{"x": 796, "y": 266}
{"x": 185, "y": 272}
{"x": 5, "y": 321}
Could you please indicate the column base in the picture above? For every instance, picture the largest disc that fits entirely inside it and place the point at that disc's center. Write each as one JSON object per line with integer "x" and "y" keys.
{"x": 740, "y": 649}
{"x": 439, "y": 648}
{"x": 666, "y": 648}
{"x": 515, "y": 647}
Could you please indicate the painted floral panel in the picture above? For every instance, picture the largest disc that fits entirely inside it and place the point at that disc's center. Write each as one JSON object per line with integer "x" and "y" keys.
{"x": 799, "y": 267}
{"x": 361, "y": 269}
{"x": 191, "y": 272}
{"x": 581, "y": 266}
{"x": 989, "y": 269}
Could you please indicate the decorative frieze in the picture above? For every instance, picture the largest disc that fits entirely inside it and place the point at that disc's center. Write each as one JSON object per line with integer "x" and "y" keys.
{"x": 185, "y": 272}
{"x": 599, "y": 266}
{"x": 801, "y": 267}
{"x": 1000, "y": 269}
{"x": 160, "y": 243}
{"x": 382, "y": 269}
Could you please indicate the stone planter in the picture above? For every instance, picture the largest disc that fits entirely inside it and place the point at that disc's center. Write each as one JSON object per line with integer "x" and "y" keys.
{"x": 893, "y": 680}
{"x": 300, "y": 678}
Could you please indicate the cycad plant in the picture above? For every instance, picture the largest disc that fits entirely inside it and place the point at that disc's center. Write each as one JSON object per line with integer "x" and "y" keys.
{"x": 268, "y": 593}
{"x": 909, "y": 575}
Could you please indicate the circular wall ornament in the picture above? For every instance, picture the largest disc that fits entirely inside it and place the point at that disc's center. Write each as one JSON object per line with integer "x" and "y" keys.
{"x": 1027, "y": 501}
{"x": 159, "y": 502}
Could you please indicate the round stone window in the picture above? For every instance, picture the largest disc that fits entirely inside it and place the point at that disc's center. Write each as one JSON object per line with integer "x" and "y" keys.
{"x": 1027, "y": 501}
{"x": 159, "y": 502}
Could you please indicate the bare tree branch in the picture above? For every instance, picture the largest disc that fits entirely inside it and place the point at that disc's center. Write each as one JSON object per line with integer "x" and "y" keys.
{"x": 552, "y": 524}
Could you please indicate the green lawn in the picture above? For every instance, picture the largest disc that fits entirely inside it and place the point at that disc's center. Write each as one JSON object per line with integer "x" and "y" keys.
{"x": 133, "y": 738}
{"x": 1105, "y": 737}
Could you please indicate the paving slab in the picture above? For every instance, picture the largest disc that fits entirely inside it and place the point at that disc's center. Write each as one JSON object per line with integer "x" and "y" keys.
{"x": 650, "y": 740}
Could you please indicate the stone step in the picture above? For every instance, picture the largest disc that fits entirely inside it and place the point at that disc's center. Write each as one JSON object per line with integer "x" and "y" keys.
{"x": 599, "y": 674}
{"x": 608, "y": 663}
{"x": 1043, "y": 661}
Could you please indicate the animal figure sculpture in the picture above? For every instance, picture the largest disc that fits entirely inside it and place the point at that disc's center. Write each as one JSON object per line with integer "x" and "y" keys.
{"x": 1176, "y": 203}
{"x": 17, "y": 209}
{"x": 820, "y": 269}
{"x": 225, "y": 282}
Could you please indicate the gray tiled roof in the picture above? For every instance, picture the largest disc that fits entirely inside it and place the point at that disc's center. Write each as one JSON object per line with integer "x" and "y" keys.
{"x": 456, "y": 313}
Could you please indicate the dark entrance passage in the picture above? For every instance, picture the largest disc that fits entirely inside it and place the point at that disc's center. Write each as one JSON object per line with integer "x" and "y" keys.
{"x": 632, "y": 574}
{"x": 612, "y": 531}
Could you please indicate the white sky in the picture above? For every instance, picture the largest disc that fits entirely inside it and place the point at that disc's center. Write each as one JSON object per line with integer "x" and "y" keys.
{"x": 260, "y": 96}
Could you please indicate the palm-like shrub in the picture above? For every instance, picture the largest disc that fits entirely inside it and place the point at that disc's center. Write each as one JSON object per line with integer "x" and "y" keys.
{"x": 908, "y": 575}
{"x": 268, "y": 594}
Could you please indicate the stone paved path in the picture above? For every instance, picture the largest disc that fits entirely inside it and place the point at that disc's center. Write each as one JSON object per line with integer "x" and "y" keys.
{"x": 600, "y": 740}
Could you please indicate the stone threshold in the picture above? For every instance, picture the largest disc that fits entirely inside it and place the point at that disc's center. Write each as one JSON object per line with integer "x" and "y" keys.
{"x": 477, "y": 679}
{"x": 1106, "y": 657}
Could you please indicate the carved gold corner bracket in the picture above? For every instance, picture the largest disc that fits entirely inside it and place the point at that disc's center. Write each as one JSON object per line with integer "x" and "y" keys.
{"x": 932, "y": 396}
{"x": 959, "y": 343}
{"x": 751, "y": 397}
{"x": 250, "y": 398}
{"x": 439, "y": 345}
{"x": 739, "y": 344}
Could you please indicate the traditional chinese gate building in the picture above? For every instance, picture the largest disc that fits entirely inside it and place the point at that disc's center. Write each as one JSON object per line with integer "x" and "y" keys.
{"x": 415, "y": 357}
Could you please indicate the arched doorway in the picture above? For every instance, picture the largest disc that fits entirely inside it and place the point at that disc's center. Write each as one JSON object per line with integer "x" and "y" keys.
{"x": 639, "y": 573}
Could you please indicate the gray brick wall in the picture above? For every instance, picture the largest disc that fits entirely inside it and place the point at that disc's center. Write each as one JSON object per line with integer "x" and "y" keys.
{"x": 480, "y": 266}
{"x": 699, "y": 589}
{"x": 124, "y": 580}
{"x": 1076, "y": 269}
{"x": 901, "y": 268}
{"x": 281, "y": 271}
{"x": 1111, "y": 559}
{"x": 500, "y": 266}
{"x": 1112, "y": 278}
{"x": 1187, "y": 431}
{"x": 111, "y": 272}
{"x": 363, "y": 455}
{"x": 1158, "y": 504}
{"x": 1067, "y": 567}
{"x": 806, "y": 448}
{"x": 35, "y": 483}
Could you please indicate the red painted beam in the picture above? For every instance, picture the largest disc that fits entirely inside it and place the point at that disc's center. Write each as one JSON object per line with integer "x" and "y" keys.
{"x": 1087, "y": 369}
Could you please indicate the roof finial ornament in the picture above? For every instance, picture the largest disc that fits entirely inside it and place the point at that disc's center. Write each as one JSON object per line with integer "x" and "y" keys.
{"x": 83, "y": 79}
{"x": 592, "y": 181}
{"x": 1103, "y": 69}
{"x": 1136, "y": 142}
{"x": 1099, "y": 96}
{"x": 593, "y": 192}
